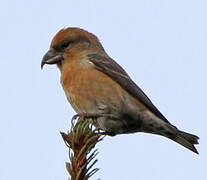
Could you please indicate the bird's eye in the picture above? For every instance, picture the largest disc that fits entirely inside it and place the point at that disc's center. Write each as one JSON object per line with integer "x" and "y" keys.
{"x": 64, "y": 45}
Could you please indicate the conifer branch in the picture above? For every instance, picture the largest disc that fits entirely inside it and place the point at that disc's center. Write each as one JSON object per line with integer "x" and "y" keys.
{"x": 81, "y": 141}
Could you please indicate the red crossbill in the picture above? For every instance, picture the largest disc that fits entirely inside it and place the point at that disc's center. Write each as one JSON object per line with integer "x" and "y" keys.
{"x": 95, "y": 85}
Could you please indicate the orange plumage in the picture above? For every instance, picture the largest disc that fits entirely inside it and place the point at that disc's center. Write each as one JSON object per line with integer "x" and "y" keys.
{"x": 96, "y": 84}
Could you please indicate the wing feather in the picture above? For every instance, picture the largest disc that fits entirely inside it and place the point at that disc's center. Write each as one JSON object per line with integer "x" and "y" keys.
{"x": 117, "y": 73}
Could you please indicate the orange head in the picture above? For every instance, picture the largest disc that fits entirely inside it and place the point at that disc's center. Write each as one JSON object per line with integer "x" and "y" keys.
{"x": 71, "y": 42}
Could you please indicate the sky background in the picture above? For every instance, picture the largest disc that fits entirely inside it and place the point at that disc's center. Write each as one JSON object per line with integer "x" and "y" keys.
{"x": 161, "y": 44}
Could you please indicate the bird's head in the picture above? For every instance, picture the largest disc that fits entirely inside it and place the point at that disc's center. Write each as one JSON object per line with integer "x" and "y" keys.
{"x": 70, "y": 42}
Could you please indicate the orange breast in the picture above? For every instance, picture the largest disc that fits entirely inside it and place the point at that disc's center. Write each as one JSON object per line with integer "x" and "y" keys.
{"x": 85, "y": 87}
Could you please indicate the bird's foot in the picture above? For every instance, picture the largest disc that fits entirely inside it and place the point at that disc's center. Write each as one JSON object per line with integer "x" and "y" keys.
{"x": 84, "y": 116}
{"x": 75, "y": 117}
{"x": 94, "y": 117}
{"x": 105, "y": 133}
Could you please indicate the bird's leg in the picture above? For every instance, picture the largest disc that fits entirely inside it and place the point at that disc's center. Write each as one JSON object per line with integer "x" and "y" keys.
{"x": 93, "y": 116}
{"x": 104, "y": 133}
{"x": 84, "y": 116}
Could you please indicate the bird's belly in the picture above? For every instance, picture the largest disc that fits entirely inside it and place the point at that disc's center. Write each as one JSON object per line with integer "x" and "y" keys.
{"x": 91, "y": 91}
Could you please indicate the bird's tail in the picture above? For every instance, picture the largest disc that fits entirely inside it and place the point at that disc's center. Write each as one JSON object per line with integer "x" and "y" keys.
{"x": 185, "y": 139}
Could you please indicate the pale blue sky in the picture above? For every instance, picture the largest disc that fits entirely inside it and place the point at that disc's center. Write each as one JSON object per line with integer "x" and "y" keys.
{"x": 161, "y": 44}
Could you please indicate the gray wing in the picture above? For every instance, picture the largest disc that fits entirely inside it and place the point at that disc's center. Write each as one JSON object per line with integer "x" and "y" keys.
{"x": 112, "y": 69}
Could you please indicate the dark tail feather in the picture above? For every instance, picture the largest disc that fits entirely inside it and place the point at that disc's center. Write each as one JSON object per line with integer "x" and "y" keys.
{"x": 190, "y": 137}
{"x": 185, "y": 139}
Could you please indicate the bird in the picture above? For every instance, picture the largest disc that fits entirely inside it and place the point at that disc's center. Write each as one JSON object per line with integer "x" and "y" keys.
{"x": 97, "y": 86}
